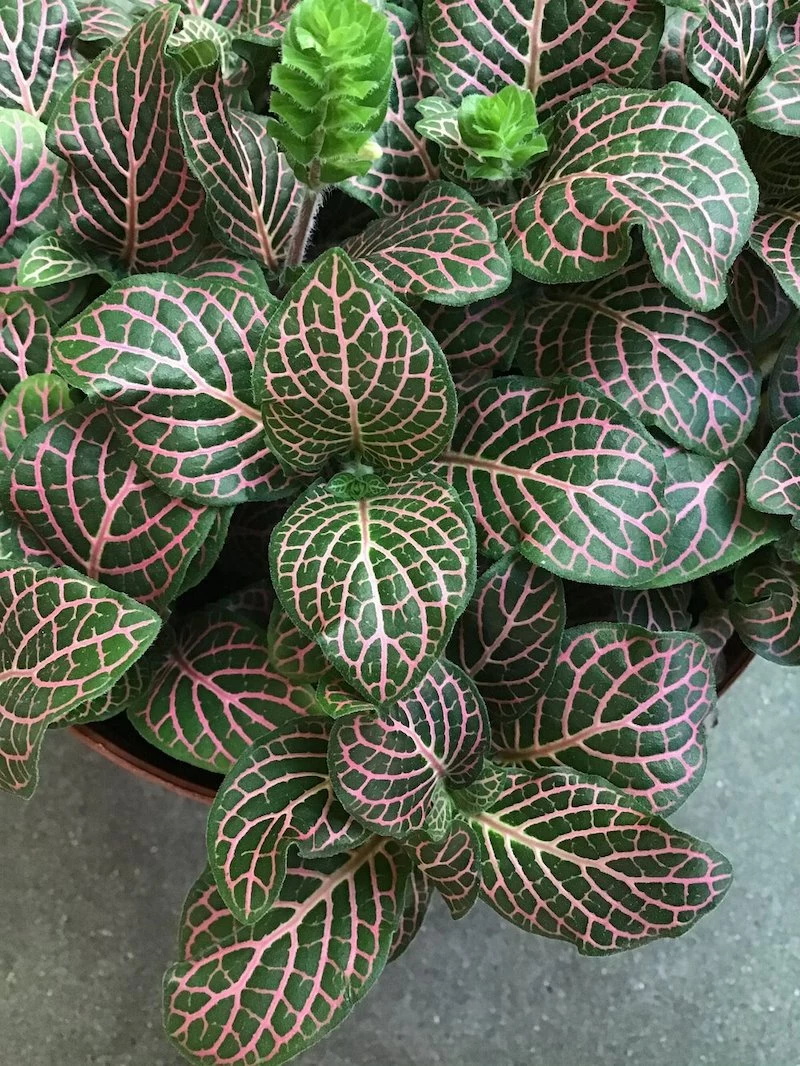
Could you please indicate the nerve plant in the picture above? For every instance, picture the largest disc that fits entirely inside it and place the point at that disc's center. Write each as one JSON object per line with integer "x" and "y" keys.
{"x": 402, "y": 415}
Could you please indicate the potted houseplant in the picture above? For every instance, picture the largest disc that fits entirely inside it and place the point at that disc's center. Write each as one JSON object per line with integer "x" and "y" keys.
{"x": 400, "y": 433}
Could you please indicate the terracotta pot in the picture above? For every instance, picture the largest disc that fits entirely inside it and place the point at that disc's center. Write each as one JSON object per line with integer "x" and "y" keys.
{"x": 118, "y": 741}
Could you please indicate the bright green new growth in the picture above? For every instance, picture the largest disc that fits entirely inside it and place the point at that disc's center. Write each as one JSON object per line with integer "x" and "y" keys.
{"x": 493, "y": 138}
{"x": 331, "y": 89}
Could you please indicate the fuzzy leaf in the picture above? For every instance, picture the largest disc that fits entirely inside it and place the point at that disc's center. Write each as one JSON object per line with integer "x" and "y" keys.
{"x": 775, "y": 236}
{"x": 405, "y": 166}
{"x": 37, "y": 58}
{"x": 306, "y": 964}
{"x": 664, "y": 610}
{"x": 755, "y": 298}
{"x": 715, "y": 628}
{"x": 508, "y": 638}
{"x": 784, "y": 32}
{"x": 766, "y": 611}
{"x": 205, "y": 920}
{"x": 113, "y": 702}
{"x": 29, "y": 181}
{"x": 545, "y": 45}
{"x": 483, "y": 336}
{"x": 278, "y": 794}
{"x": 674, "y": 51}
{"x": 174, "y": 361}
{"x": 728, "y": 50}
{"x": 346, "y": 369}
{"x": 443, "y": 248}
{"x": 128, "y": 191}
{"x": 625, "y": 704}
{"x": 784, "y": 381}
{"x": 397, "y": 571}
{"x": 396, "y": 773}
{"x": 774, "y": 104}
{"x": 30, "y": 404}
{"x": 25, "y": 339}
{"x": 292, "y": 653}
{"x": 664, "y": 161}
{"x": 774, "y": 482}
{"x": 74, "y": 487}
{"x": 453, "y": 866}
{"x": 213, "y": 693}
{"x": 572, "y": 858}
{"x": 63, "y": 640}
{"x": 417, "y": 900}
{"x": 535, "y": 459}
{"x": 676, "y": 369}
{"x": 252, "y": 195}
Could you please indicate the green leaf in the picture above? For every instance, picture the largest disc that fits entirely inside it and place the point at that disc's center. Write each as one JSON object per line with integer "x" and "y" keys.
{"x": 345, "y": 369}
{"x": 755, "y": 298}
{"x": 30, "y": 404}
{"x": 63, "y": 640}
{"x": 784, "y": 381}
{"x": 766, "y": 610}
{"x": 397, "y": 571}
{"x": 49, "y": 260}
{"x": 114, "y": 701}
{"x": 292, "y": 653}
{"x": 483, "y": 336}
{"x": 37, "y": 55}
{"x": 661, "y": 160}
{"x": 417, "y": 900}
{"x": 774, "y": 104}
{"x": 205, "y": 558}
{"x": 774, "y": 482}
{"x": 26, "y": 337}
{"x": 453, "y": 866}
{"x": 728, "y": 49}
{"x": 330, "y": 89}
{"x": 774, "y": 237}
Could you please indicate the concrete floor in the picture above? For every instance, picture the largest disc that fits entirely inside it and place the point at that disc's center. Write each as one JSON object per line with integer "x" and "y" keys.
{"x": 93, "y": 871}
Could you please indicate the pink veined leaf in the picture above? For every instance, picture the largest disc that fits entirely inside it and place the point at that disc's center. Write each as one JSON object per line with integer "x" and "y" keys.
{"x": 114, "y": 701}
{"x": 25, "y": 339}
{"x": 755, "y": 298}
{"x": 128, "y": 191}
{"x": 453, "y": 867}
{"x": 784, "y": 381}
{"x": 212, "y": 693}
{"x": 30, "y": 404}
{"x": 679, "y": 370}
{"x": 243, "y": 15}
{"x": 784, "y": 31}
{"x": 766, "y": 610}
{"x": 399, "y": 773}
{"x": 37, "y": 57}
{"x": 252, "y": 195}
{"x": 203, "y": 561}
{"x": 728, "y": 50}
{"x": 663, "y": 610}
{"x": 306, "y": 964}
{"x": 715, "y": 628}
{"x": 775, "y": 236}
{"x": 443, "y": 247}
{"x": 346, "y": 369}
{"x": 277, "y": 796}
{"x": 216, "y": 263}
{"x": 625, "y": 704}
{"x": 548, "y": 46}
{"x": 29, "y": 181}
{"x": 571, "y": 857}
{"x": 397, "y": 571}
{"x": 63, "y": 640}
{"x": 508, "y": 637}
{"x": 534, "y": 459}
{"x": 418, "y": 897}
{"x": 483, "y": 336}
{"x": 205, "y": 920}
{"x": 774, "y": 482}
{"x": 173, "y": 361}
{"x": 661, "y": 160}
{"x": 49, "y": 260}
{"x": 293, "y": 653}
{"x": 674, "y": 51}
{"x": 713, "y": 525}
{"x": 774, "y": 104}
{"x": 77, "y": 490}
{"x": 405, "y": 166}
{"x": 337, "y": 699}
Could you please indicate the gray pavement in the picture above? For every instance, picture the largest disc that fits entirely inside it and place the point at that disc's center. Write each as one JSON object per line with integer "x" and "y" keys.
{"x": 93, "y": 871}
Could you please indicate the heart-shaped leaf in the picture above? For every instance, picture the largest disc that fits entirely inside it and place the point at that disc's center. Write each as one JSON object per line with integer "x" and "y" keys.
{"x": 755, "y": 298}
{"x": 508, "y": 638}
{"x": 63, "y": 640}
{"x": 278, "y": 794}
{"x": 664, "y": 610}
{"x": 536, "y": 461}
{"x": 728, "y": 50}
{"x": 128, "y": 191}
{"x": 213, "y": 693}
{"x": 37, "y": 57}
{"x": 545, "y": 45}
{"x": 25, "y": 339}
{"x": 766, "y": 611}
{"x": 774, "y": 104}
{"x": 293, "y": 653}
{"x": 252, "y": 195}
{"x": 570, "y": 857}
{"x": 174, "y": 361}
{"x": 443, "y": 247}
{"x": 29, "y": 180}
{"x": 307, "y": 963}
{"x": 483, "y": 336}
{"x": 72, "y": 485}
{"x": 613, "y": 163}
{"x": 346, "y": 369}
{"x": 405, "y": 165}
{"x": 453, "y": 866}
{"x": 625, "y": 704}
{"x": 676, "y": 369}
{"x": 33, "y": 402}
{"x": 712, "y": 524}
{"x": 396, "y": 773}
{"x": 397, "y": 571}
{"x": 418, "y": 897}
{"x": 784, "y": 381}
{"x": 774, "y": 482}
